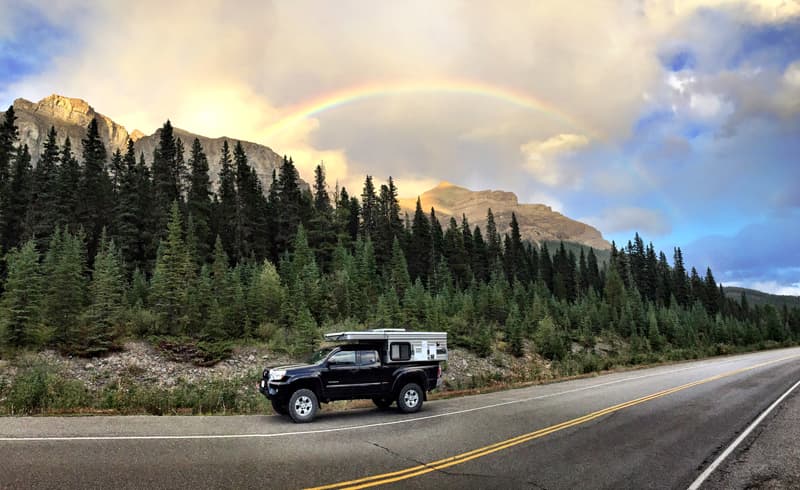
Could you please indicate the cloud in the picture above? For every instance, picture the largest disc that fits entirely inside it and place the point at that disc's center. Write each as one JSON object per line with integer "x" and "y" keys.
{"x": 771, "y": 287}
{"x": 651, "y": 222}
{"x": 542, "y": 158}
{"x": 762, "y": 252}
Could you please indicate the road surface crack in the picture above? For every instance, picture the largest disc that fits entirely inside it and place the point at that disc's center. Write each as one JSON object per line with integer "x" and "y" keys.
{"x": 455, "y": 473}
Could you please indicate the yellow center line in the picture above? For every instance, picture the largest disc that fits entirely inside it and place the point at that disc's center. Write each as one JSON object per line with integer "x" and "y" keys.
{"x": 395, "y": 476}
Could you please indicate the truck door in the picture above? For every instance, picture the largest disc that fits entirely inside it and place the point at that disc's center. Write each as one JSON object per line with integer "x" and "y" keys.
{"x": 370, "y": 374}
{"x": 341, "y": 376}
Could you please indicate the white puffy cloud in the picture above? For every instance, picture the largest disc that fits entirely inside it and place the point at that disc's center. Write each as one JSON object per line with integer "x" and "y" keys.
{"x": 542, "y": 158}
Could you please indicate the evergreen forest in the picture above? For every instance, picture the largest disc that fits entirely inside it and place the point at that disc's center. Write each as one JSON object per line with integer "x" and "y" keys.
{"x": 99, "y": 247}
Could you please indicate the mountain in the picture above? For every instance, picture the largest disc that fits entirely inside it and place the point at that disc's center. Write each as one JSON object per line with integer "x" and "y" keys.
{"x": 755, "y": 297}
{"x": 537, "y": 222}
{"x": 71, "y": 117}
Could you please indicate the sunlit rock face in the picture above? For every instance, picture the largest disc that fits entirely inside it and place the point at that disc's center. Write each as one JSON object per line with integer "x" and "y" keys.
{"x": 71, "y": 116}
{"x": 537, "y": 222}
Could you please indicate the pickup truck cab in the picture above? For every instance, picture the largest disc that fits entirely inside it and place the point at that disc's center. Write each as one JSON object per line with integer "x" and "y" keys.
{"x": 386, "y": 366}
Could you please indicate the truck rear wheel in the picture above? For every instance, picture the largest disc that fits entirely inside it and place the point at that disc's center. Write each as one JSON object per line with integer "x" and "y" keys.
{"x": 409, "y": 400}
{"x": 303, "y": 405}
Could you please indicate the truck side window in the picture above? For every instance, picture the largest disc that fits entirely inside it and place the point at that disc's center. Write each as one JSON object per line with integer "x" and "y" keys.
{"x": 400, "y": 351}
{"x": 368, "y": 357}
{"x": 343, "y": 358}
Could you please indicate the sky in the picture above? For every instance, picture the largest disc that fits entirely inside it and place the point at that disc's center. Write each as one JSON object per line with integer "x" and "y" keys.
{"x": 675, "y": 119}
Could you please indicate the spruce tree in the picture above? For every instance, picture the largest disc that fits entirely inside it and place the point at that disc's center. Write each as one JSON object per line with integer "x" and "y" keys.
{"x": 493, "y": 242}
{"x": 290, "y": 204}
{"x": 20, "y": 303}
{"x": 199, "y": 201}
{"x": 321, "y": 232}
{"x": 9, "y": 134}
{"x": 166, "y": 185}
{"x": 127, "y": 214}
{"x": 67, "y": 189}
{"x": 107, "y": 296}
{"x": 95, "y": 189}
{"x": 172, "y": 278}
{"x": 399, "y": 278}
{"x": 420, "y": 249}
{"x": 42, "y": 210}
{"x": 369, "y": 209}
{"x": 15, "y": 201}
{"x": 64, "y": 288}
{"x": 227, "y": 210}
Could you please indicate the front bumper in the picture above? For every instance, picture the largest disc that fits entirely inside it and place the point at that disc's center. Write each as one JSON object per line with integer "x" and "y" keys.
{"x": 273, "y": 390}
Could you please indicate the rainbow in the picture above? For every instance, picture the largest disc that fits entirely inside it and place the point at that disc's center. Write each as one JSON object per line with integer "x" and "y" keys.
{"x": 318, "y": 105}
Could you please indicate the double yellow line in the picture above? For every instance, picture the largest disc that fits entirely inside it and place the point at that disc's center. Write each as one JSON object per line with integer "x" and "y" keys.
{"x": 441, "y": 464}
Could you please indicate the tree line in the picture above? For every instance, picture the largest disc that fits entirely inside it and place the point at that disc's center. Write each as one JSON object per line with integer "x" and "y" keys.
{"x": 103, "y": 247}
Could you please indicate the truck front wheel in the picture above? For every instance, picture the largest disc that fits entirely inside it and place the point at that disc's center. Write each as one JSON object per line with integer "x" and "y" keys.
{"x": 409, "y": 400}
{"x": 303, "y": 405}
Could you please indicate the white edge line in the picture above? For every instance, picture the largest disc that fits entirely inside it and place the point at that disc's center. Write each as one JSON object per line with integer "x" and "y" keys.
{"x": 705, "y": 474}
{"x": 350, "y": 427}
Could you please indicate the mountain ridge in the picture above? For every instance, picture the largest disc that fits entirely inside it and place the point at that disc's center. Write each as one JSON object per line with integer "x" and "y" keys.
{"x": 537, "y": 222}
{"x": 70, "y": 116}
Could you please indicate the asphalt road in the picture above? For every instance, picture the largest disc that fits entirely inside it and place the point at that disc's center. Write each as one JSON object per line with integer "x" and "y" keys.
{"x": 653, "y": 428}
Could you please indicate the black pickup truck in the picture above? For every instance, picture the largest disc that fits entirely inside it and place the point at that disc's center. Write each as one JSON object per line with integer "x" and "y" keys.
{"x": 374, "y": 370}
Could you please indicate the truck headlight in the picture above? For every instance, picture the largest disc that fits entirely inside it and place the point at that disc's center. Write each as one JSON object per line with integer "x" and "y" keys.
{"x": 277, "y": 374}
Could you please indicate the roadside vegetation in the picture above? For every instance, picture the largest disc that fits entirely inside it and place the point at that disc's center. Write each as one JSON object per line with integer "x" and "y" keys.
{"x": 103, "y": 249}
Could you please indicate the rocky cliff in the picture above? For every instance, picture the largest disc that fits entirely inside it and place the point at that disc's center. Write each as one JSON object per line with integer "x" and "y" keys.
{"x": 537, "y": 222}
{"x": 71, "y": 116}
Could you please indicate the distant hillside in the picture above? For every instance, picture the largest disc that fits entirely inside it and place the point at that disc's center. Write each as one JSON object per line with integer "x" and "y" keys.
{"x": 755, "y": 297}
{"x": 537, "y": 222}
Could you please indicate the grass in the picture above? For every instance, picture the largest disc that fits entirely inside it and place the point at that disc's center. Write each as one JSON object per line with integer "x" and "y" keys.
{"x": 40, "y": 389}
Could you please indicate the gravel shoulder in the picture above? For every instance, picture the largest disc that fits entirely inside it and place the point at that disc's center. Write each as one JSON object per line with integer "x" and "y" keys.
{"x": 770, "y": 457}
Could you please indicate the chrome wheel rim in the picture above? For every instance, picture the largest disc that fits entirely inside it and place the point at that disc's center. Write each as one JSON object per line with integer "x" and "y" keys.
{"x": 303, "y": 405}
{"x": 411, "y": 398}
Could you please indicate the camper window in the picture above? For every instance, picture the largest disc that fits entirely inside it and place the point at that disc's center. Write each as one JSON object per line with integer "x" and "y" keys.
{"x": 400, "y": 351}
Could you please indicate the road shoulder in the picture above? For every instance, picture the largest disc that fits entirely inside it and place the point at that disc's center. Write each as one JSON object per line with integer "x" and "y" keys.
{"x": 769, "y": 457}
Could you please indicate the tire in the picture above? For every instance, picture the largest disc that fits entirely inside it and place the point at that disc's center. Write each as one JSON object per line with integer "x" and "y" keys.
{"x": 303, "y": 406}
{"x": 382, "y": 402}
{"x": 280, "y": 409}
{"x": 409, "y": 400}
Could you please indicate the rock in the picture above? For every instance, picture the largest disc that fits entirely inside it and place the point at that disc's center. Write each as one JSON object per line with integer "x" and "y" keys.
{"x": 251, "y": 358}
{"x": 71, "y": 116}
{"x": 88, "y": 366}
{"x": 537, "y": 222}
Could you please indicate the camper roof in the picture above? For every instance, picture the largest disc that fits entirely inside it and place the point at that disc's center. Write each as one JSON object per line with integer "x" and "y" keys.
{"x": 385, "y": 334}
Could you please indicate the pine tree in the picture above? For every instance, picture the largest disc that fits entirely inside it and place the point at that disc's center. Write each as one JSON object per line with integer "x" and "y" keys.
{"x": 399, "y": 278}
{"x": 680, "y": 282}
{"x": 16, "y": 199}
{"x": 369, "y": 209}
{"x": 95, "y": 189}
{"x": 19, "y": 307}
{"x": 166, "y": 186}
{"x": 227, "y": 209}
{"x": 8, "y": 140}
{"x": 107, "y": 296}
{"x": 421, "y": 246}
{"x": 321, "y": 233}
{"x": 493, "y": 241}
{"x": 172, "y": 278}
{"x": 42, "y": 211}
{"x": 481, "y": 265}
{"x": 128, "y": 216}
{"x": 712, "y": 298}
{"x": 64, "y": 288}
{"x": 68, "y": 181}
{"x": 199, "y": 201}
{"x": 290, "y": 203}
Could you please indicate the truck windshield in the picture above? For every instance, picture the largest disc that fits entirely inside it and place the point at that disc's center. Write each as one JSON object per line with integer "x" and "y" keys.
{"x": 319, "y": 355}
